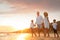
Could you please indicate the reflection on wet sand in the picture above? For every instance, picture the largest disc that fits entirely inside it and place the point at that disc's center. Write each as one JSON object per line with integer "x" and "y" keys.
{"x": 25, "y": 36}
{"x": 8, "y": 36}
{"x": 29, "y": 37}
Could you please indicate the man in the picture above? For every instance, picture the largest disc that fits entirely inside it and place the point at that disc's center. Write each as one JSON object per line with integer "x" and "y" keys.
{"x": 39, "y": 22}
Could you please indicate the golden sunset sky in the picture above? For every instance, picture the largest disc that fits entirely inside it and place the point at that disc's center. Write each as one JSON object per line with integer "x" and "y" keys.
{"x": 18, "y": 13}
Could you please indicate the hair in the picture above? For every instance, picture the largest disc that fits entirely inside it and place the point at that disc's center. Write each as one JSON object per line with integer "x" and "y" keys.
{"x": 37, "y": 12}
{"x": 31, "y": 20}
{"x": 45, "y": 14}
{"x": 54, "y": 20}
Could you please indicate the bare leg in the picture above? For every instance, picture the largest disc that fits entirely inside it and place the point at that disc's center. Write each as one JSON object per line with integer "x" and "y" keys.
{"x": 54, "y": 35}
{"x": 32, "y": 34}
{"x": 39, "y": 34}
{"x": 57, "y": 35}
{"x": 35, "y": 34}
{"x": 48, "y": 34}
{"x": 44, "y": 33}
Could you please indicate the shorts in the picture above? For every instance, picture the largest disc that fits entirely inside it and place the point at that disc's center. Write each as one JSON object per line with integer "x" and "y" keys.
{"x": 39, "y": 28}
{"x": 55, "y": 31}
{"x": 39, "y": 25}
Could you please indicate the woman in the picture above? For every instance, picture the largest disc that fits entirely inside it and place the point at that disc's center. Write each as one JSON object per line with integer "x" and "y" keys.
{"x": 46, "y": 24}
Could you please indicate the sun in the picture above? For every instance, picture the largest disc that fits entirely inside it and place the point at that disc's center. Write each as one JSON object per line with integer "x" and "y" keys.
{"x": 17, "y": 21}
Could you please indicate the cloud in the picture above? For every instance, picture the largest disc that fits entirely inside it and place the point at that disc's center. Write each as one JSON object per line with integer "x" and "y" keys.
{"x": 25, "y": 5}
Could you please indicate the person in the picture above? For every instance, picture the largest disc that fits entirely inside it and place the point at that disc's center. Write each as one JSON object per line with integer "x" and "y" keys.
{"x": 32, "y": 25}
{"x": 54, "y": 24}
{"x": 39, "y": 22}
{"x": 46, "y": 24}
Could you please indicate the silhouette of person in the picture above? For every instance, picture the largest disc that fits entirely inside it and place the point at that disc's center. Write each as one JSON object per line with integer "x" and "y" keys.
{"x": 39, "y": 22}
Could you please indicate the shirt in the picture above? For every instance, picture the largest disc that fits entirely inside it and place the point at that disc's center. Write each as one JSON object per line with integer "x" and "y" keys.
{"x": 39, "y": 20}
{"x": 54, "y": 25}
{"x": 32, "y": 25}
{"x": 46, "y": 22}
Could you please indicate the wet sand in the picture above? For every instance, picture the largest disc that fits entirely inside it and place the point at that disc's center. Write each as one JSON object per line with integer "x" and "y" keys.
{"x": 26, "y": 36}
{"x": 42, "y": 37}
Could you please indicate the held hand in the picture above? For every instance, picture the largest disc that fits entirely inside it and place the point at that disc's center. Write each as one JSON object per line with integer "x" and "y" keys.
{"x": 34, "y": 25}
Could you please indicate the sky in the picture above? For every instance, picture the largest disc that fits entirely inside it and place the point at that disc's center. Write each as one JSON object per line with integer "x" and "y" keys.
{"x": 18, "y": 13}
{"x": 19, "y": 6}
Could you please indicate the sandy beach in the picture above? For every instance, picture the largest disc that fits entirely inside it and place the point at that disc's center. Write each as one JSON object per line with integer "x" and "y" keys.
{"x": 29, "y": 37}
{"x": 43, "y": 38}
{"x": 26, "y": 36}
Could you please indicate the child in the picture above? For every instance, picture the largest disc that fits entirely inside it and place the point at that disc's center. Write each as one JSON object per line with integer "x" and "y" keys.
{"x": 46, "y": 24}
{"x": 55, "y": 28}
{"x": 32, "y": 25}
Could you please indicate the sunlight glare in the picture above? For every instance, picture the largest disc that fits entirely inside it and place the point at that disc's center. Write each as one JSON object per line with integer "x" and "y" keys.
{"x": 22, "y": 37}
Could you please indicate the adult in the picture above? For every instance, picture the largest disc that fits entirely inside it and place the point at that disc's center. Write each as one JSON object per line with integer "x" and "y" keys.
{"x": 39, "y": 22}
{"x": 46, "y": 23}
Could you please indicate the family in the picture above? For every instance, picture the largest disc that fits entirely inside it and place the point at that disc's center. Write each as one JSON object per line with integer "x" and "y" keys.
{"x": 43, "y": 24}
